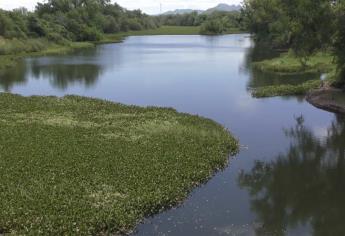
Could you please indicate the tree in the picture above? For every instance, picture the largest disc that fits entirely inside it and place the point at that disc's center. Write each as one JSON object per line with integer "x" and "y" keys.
{"x": 339, "y": 39}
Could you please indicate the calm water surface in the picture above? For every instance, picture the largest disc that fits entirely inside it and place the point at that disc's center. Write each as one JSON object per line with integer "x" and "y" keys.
{"x": 289, "y": 178}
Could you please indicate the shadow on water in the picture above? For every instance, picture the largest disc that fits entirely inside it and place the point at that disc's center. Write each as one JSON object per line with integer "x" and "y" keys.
{"x": 303, "y": 185}
{"x": 259, "y": 52}
{"x": 61, "y": 71}
{"x": 11, "y": 77}
{"x": 63, "y": 75}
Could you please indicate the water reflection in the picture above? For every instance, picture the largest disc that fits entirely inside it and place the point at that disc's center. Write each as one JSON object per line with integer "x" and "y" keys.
{"x": 260, "y": 79}
{"x": 303, "y": 186}
{"x": 12, "y": 77}
{"x": 63, "y": 75}
{"x": 259, "y": 52}
{"x": 83, "y": 69}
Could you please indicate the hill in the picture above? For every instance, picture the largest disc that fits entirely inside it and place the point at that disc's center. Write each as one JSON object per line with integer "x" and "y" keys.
{"x": 220, "y": 7}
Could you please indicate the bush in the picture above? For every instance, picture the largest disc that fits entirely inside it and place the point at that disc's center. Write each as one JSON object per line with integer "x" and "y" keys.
{"x": 111, "y": 25}
{"x": 134, "y": 24}
{"x": 90, "y": 34}
{"x": 57, "y": 38}
{"x": 16, "y": 46}
{"x": 212, "y": 27}
{"x": 36, "y": 27}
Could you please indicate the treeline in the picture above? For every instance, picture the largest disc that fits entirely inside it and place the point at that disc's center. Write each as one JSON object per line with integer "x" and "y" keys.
{"x": 304, "y": 26}
{"x": 215, "y": 23}
{"x": 72, "y": 20}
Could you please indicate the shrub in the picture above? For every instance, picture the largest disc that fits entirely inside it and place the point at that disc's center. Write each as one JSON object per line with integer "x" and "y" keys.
{"x": 89, "y": 34}
{"x": 212, "y": 27}
{"x": 57, "y": 38}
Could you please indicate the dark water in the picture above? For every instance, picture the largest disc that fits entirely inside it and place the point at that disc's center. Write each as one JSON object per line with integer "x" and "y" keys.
{"x": 289, "y": 178}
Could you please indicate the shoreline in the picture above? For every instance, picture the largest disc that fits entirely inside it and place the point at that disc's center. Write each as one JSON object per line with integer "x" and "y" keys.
{"x": 328, "y": 99}
{"x": 10, "y": 60}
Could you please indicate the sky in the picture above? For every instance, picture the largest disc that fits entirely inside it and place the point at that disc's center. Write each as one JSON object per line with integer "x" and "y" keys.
{"x": 147, "y": 6}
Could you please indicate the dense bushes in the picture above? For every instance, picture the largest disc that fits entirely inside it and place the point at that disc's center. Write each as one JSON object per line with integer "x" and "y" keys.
{"x": 212, "y": 27}
{"x": 215, "y": 23}
{"x": 61, "y": 20}
{"x": 305, "y": 26}
{"x": 17, "y": 46}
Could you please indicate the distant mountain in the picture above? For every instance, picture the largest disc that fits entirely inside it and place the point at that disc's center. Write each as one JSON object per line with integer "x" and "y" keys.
{"x": 223, "y": 7}
{"x": 181, "y": 11}
{"x": 220, "y": 7}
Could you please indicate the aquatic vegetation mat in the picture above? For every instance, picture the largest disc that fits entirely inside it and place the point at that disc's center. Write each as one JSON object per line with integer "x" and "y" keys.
{"x": 286, "y": 89}
{"x": 287, "y": 64}
{"x": 80, "y": 166}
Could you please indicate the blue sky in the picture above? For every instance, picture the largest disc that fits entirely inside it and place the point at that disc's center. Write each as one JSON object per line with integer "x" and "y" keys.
{"x": 148, "y": 6}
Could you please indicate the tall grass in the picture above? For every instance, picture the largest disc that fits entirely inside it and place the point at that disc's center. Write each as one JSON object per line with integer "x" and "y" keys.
{"x": 17, "y": 46}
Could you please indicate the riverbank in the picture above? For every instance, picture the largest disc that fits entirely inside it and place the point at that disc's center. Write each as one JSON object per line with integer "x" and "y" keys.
{"x": 289, "y": 64}
{"x": 286, "y": 89}
{"x": 11, "y": 51}
{"x": 322, "y": 94}
{"x": 320, "y": 63}
{"x": 329, "y": 99}
{"x": 10, "y": 59}
{"x": 104, "y": 165}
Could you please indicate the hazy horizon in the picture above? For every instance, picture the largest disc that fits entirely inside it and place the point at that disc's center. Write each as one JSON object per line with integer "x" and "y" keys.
{"x": 147, "y": 6}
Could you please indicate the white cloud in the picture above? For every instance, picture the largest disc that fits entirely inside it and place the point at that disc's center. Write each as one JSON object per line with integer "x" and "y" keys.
{"x": 148, "y": 6}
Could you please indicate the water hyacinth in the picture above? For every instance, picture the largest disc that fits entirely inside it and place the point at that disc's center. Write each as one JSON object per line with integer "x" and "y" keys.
{"x": 83, "y": 166}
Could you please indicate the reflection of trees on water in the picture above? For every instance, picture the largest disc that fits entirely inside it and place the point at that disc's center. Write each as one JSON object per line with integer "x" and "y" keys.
{"x": 64, "y": 75}
{"x": 304, "y": 185}
{"x": 258, "y": 78}
{"x": 60, "y": 75}
{"x": 13, "y": 76}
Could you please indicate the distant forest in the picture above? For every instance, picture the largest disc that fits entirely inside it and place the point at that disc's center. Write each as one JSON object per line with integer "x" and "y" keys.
{"x": 74, "y": 20}
{"x": 88, "y": 20}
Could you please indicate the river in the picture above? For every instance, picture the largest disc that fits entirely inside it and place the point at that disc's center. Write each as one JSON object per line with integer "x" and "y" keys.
{"x": 289, "y": 177}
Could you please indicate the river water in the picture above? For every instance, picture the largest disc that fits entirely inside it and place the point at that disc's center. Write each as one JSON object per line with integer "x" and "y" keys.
{"x": 289, "y": 177}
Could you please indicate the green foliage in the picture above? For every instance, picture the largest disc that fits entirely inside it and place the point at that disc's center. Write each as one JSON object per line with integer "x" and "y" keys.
{"x": 215, "y": 23}
{"x": 305, "y": 26}
{"x": 163, "y": 30}
{"x": 302, "y": 25}
{"x": 339, "y": 39}
{"x": 73, "y": 20}
{"x": 89, "y": 34}
{"x": 18, "y": 46}
{"x": 290, "y": 64}
{"x": 286, "y": 89}
{"x": 211, "y": 27}
{"x": 36, "y": 27}
{"x": 79, "y": 166}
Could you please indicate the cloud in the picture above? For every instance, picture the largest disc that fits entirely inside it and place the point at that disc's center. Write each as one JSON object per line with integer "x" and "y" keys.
{"x": 148, "y": 6}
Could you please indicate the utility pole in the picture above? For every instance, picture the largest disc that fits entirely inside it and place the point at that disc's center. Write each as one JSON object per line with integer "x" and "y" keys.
{"x": 160, "y": 8}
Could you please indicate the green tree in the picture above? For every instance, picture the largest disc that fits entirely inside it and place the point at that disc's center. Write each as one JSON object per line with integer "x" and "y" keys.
{"x": 339, "y": 39}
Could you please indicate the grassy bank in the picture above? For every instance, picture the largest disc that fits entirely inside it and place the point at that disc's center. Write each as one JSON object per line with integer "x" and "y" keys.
{"x": 166, "y": 30}
{"x": 163, "y": 30}
{"x": 80, "y": 166}
{"x": 286, "y": 90}
{"x": 288, "y": 64}
{"x": 13, "y": 50}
